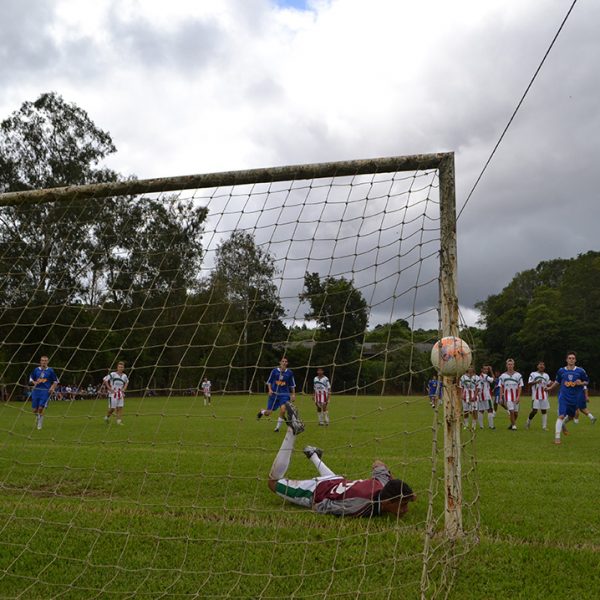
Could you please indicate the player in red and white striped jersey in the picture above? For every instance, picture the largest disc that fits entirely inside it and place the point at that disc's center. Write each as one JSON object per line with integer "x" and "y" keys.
{"x": 322, "y": 394}
{"x": 538, "y": 382}
{"x": 116, "y": 383}
{"x": 468, "y": 385}
{"x": 511, "y": 384}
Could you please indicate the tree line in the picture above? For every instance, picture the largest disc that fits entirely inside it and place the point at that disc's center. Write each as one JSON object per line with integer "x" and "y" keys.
{"x": 120, "y": 278}
{"x": 93, "y": 282}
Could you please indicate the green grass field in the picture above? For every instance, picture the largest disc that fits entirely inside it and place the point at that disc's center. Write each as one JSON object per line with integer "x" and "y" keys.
{"x": 174, "y": 504}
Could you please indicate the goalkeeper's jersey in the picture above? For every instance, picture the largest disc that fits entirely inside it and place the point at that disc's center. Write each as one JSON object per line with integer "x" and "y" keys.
{"x": 356, "y": 498}
{"x": 117, "y": 382}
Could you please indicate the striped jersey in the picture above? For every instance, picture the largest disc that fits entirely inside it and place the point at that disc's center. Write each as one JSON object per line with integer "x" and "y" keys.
{"x": 206, "y": 386}
{"x": 468, "y": 384}
{"x": 485, "y": 386}
{"x": 511, "y": 384}
{"x": 322, "y": 389}
{"x": 539, "y": 382}
{"x": 116, "y": 382}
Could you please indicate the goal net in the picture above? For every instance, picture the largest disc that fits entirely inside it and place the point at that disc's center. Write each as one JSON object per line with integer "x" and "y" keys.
{"x": 199, "y": 286}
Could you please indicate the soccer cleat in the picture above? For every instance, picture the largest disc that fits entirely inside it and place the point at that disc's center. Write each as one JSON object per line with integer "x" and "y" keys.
{"x": 259, "y": 415}
{"x": 310, "y": 450}
{"x": 491, "y": 427}
{"x": 106, "y": 420}
{"x": 292, "y": 419}
{"x": 514, "y": 427}
{"x": 557, "y": 441}
{"x": 276, "y": 430}
{"x": 119, "y": 422}
{"x": 593, "y": 420}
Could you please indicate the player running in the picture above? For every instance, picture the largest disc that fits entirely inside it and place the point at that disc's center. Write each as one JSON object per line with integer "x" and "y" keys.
{"x": 538, "y": 382}
{"x": 206, "y": 385}
{"x": 281, "y": 387}
{"x": 335, "y": 495}
{"x": 116, "y": 383}
{"x": 511, "y": 384}
{"x": 44, "y": 381}
{"x": 322, "y": 395}
{"x": 572, "y": 381}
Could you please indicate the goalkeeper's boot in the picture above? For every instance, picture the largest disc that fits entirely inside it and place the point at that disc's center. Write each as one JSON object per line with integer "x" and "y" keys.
{"x": 292, "y": 419}
{"x": 310, "y": 450}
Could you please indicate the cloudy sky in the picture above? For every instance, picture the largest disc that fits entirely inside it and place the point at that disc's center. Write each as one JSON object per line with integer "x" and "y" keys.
{"x": 190, "y": 86}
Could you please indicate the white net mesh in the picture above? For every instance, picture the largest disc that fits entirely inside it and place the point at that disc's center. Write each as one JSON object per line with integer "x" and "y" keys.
{"x": 216, "y": 284}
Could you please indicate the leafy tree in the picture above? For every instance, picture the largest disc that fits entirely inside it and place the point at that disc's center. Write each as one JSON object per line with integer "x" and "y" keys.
{"x": 68, "y": 269}
{"x": 243, "y": 280}
{"x": 544, "y": 312}
{"x": 341, "y": 313}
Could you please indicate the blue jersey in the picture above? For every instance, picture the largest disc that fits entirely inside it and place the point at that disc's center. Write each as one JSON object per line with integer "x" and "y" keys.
{"x": 569, "y": 392}
{"x": 434, "y": 388}
{"x": 281, "y": 382}
{"x": 45, "y": 378}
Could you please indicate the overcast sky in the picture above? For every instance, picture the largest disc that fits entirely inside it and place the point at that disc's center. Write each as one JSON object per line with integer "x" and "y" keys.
{"x": 200, "y": 86}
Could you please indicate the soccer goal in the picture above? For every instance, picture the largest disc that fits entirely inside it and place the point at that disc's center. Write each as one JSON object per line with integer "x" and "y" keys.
{"x": 151, "y": 315}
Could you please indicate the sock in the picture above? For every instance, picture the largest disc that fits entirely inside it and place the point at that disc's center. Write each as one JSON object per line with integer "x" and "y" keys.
{"x": 545, "y": 421}
{"x": 558, "y": 428}
{"x": 324, "y": 470}
{"x": 41, "y": 420}
{"x": 465, "y": 421}
{"x": 320, "y": 418}
{"x": 327, "y": 417}
{"x": 480, "y": 419}
{"x": 590, "y": 416}
{"x": 280, "y": 422}
{"x": 490, "y": 419}
{"x": 282, "y": 460}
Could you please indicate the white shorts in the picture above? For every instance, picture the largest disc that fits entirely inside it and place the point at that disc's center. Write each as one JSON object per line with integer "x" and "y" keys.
{"x": 469, "y": 406}
{"x": 300, "y": 491}
{"x": 512, "y": 406}
{"x": 117, "y": 401}
{"x": 541, "y": 404}
{"x": 483, "y": 405}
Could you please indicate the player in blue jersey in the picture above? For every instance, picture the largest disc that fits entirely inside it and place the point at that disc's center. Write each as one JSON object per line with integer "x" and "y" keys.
{"x": 571, "y": 394}
{"x": 434, "y": 390}
{"x": 44, "y": 382}
{"x": 281, "y": 386}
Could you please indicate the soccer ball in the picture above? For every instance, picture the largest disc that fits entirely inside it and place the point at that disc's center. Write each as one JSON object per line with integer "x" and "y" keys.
{"x": 451, "y": 356}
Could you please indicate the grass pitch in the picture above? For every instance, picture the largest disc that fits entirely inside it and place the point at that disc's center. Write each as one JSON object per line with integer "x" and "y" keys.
{"x": 174, "y": 504}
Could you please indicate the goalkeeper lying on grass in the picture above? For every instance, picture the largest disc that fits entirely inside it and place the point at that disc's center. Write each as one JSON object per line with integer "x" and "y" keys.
{"x": 335, "y": 495}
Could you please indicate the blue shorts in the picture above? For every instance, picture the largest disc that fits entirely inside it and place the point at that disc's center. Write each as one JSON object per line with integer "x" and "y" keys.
{"x": 566, "y": 408}
{"x": 39, "y": 400}
{"x": 275, "y": 401}
{"x": 581, "y": 403}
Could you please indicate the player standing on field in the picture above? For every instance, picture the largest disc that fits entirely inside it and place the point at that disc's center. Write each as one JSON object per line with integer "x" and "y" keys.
{"x": 468, "y": 384}
{"x": 434, "y": 391}
{"x": 322, "y": 394}
{"x": 538, "y": 382}
{"x": 281, "y": 387}
{"x": 485, "y": 402}
{"x": 572, "y": 380}
{"x": 206, "y": 385}
{"x": 116, "y": 384}
{"x": 511, "y": 384}
{"x": 44, "y": 381}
